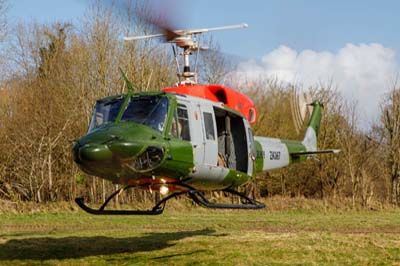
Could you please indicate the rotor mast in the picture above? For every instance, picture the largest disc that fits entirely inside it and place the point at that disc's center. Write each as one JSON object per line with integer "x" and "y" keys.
{"x": 185, "y": 39}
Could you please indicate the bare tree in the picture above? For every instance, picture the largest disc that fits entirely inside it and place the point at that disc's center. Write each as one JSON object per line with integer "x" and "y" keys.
{"x": 61, "y": 72}
{"x": 3, "y": 37}
{"x": 390, "y": 118}
{"x": 213, "y": 64}
{"x": 3, "y": 20}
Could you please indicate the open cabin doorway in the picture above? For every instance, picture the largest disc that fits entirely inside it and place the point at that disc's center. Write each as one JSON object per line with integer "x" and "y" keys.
{"x": 232, "y": 140}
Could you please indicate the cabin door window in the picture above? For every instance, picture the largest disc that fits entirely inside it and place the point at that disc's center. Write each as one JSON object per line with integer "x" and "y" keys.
{"x": 209, "y": 138}
{"x": 209, "y": 126}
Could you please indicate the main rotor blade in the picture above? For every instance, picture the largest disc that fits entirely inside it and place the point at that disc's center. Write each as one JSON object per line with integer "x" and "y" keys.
{"x": 171, "y": 35}
{"x": 230, "y": 27}
{"x": 133, "y": 38}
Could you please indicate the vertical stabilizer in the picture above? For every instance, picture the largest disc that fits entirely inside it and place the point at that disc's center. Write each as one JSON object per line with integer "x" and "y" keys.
{"x": 310, "y": 138}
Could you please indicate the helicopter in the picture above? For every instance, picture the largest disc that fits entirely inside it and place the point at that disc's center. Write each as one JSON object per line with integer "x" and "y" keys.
{"x": 184, "y": 140}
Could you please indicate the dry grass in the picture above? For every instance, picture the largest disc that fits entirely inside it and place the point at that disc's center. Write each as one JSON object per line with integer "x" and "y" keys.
{"x": 276, "y": 203}
{"x": 292, "y": 236}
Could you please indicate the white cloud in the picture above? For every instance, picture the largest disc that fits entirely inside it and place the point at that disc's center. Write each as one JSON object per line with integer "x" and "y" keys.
{"x": 361, "y": 72}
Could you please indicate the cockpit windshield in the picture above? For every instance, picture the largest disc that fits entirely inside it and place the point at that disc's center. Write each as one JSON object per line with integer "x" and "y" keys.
{"x": 150, "y": 111}
{"x": 105, "y": 111}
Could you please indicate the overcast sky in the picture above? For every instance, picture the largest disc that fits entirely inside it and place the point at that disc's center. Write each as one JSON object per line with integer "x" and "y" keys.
{"x": 354, "y": 44}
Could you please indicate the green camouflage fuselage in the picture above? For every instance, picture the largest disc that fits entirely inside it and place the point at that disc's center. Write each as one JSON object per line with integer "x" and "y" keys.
{"x": 154, "y": 139}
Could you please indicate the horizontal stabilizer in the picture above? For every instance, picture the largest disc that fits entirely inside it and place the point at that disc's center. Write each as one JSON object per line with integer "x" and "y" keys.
{"x": 314, "y": 152}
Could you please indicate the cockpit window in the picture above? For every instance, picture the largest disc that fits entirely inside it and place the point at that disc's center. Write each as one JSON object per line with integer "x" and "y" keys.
{"x": 150, "y": 111}
{"x": 105, "y": 111}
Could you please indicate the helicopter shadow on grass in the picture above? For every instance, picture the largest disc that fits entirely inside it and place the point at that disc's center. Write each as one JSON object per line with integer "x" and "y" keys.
{"x": 48, "y": 248}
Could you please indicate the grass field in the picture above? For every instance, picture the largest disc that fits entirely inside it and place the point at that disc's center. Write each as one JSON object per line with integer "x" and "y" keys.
{"x": 202, "y": 237}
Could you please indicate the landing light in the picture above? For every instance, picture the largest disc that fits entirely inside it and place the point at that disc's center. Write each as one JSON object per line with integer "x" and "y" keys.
{"x": 164, "y": 190}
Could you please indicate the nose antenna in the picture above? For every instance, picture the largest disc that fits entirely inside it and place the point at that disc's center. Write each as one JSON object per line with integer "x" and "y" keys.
{"x": 128, "y": 83}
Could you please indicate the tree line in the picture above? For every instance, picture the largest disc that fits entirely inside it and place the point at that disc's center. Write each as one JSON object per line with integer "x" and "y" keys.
{"x": 54, "y": 73}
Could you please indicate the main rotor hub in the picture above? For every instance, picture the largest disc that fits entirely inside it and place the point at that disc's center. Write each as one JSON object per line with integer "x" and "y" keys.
{"x": 185, "y": 42}
{"x": 184, "y": 39}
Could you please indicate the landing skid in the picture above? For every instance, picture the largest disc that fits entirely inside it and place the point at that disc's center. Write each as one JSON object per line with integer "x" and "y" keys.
{"x": 194, "y": 194}
{"x": 247, "y": 203}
